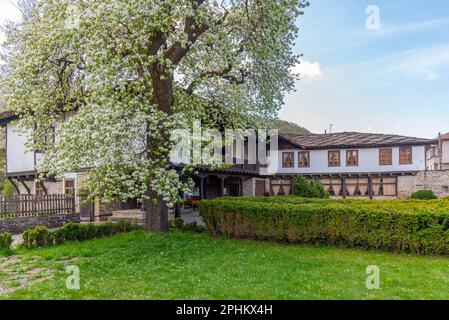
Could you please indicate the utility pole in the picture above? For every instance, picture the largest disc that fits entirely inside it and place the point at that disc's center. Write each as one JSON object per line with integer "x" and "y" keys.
{"x": 330, "y": 128}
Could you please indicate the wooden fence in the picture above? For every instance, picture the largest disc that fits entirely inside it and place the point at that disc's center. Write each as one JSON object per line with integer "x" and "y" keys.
{"x": 23, "y": 206}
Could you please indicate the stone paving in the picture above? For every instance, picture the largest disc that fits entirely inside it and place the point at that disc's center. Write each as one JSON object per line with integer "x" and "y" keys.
{"x": 189, "y": 215}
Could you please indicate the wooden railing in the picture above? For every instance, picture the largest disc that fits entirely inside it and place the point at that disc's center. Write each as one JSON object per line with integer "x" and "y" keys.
{"x": 23, "y": 206}
{"x": 244, "y": 167}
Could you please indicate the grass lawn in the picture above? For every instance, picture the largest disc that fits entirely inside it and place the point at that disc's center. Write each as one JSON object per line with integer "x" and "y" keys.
{"x": 186, "y": 266}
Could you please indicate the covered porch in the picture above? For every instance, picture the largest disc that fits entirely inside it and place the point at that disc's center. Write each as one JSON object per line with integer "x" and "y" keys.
{"x": 374, "y": 185}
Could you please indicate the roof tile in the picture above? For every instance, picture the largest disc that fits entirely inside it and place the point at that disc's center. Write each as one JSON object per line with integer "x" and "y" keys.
{"x": 352, "y": 139}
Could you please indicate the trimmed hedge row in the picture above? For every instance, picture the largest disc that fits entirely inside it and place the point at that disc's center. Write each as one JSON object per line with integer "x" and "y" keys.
{"x": 299, "y": 200}
{"x": 41, "y": 236}
{"x": 397, "y": 226}
{"x": 434, "y": 206}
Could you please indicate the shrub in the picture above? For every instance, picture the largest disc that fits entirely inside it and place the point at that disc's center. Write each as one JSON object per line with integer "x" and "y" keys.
{"x": 178, "y": 223}
{"x": 424, "y": 195}
{"x": 399, "y": 226}
{"x": 308, "y": 188}
{"x": 200, "y": 229}
{"x": 37, "y": 237}
{"x": 191, "y": 226}
{"x": 41, "y": 236}
{"x": 5, "y": 240}
{"x": 8, "y": 190}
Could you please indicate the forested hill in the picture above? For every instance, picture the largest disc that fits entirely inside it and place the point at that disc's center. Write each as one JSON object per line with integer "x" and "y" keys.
{"x": 289, "y": 127}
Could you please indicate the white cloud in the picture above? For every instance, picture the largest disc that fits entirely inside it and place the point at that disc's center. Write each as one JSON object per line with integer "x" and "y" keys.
{"x": 307, "y": 70}
{"x": 411, "y": 27}
{"x": 433, "y": 76}
{"x": 422, "y": 64}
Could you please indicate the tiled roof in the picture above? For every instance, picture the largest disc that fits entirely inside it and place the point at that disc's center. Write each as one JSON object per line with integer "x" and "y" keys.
{"x": 6, "y": 116}
{"x": 352, "y": 140}
{"x": 445, "y": 136}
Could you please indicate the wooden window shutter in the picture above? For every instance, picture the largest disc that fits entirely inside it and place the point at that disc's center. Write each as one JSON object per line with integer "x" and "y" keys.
{"x": 287, "y": 160}
{"x": 406, "y": 155}
{"x": 386, "y": 157}
{"x": 352, "y": 158}
{"x": 334, "y": 158}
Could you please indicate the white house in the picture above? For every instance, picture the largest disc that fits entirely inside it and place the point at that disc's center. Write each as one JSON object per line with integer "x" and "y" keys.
{"x": 349, "y": 164}
{"x": 438, "y": 155}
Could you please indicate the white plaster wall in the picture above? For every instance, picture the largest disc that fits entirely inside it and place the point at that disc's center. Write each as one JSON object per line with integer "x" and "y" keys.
{"x": 368, "y": 162}
{"x": 18, "y": 158}
{"x": 445, "y": 151}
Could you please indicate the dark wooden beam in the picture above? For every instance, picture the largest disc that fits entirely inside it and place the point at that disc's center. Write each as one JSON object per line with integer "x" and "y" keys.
{"x": 14, "y": 185}
{"x": 25, "y": 186}
{"x": 43, "y": 187}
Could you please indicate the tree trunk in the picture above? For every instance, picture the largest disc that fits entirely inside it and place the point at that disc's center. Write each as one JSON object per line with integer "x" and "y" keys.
{"x": 156, "y": 210}
{"x": 156, "y": 214}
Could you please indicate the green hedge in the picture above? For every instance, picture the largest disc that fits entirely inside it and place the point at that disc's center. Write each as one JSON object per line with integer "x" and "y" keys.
{"x": 41, "y": 236}
{"x": 5, "y": 240}
{"x": 398, "y": 226}
{"x": 424, "y": 195}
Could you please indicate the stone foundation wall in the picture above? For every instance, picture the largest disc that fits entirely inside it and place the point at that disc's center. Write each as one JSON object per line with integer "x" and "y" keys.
{"x": 249, "y": 187}
{"x": 437, "y": 181}
{"x": 56, "y": 187}
{"x": 19, "y": 225}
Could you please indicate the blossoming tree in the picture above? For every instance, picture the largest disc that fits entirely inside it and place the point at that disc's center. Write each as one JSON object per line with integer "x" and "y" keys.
{"x": 118, "y": 76}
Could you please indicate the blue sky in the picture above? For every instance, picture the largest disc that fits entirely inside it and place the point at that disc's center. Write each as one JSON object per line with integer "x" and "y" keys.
{"x": 391, "y": 80}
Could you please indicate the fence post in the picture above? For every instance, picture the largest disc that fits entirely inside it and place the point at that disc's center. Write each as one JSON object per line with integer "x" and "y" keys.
{"x": 34, "y": 205}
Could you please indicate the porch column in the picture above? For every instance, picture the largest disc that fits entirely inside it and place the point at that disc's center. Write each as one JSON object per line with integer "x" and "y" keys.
{"x": 370, "y": 187}
{"x": 222, "y": 186}
{"x": 343, "y": 185}
{"x": 177, "y": 210}
{"x": 202, "y": 189}
{"x": 241, "y": 187}
{"x": 397, "y": 186}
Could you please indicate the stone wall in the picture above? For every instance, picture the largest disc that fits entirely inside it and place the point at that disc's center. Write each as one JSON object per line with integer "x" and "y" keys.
{"x": 54, "y": 187}
{"x": 19, "y": 225}
{"x": 437, "y": 181}
{"x": 248, "y": 187}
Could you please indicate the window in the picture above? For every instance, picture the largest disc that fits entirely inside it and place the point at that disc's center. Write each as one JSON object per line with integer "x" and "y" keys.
{"x": 287, "y": 160}
{"x": 50, "y": 136}
{"x": 334, "y": 158}
{"x": 39, "y": 188}
{"x": 405, "y": 155}
{"x": 352, "y": 158}
{"x": 385, "y": 157}
{"x": 196, "y": 192}
{"x": 69, "y": 187}
{"x": 304, "y": 159}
